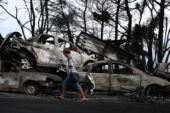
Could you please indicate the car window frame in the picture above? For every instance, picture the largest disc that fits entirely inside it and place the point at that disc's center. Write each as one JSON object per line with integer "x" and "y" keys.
{"x": 46, "y": 37}
{"x": 77, "y": 49}
{"x": 94, "y": 65}
{"x": 132, "y": 71}
{"x": 166, "y": 69}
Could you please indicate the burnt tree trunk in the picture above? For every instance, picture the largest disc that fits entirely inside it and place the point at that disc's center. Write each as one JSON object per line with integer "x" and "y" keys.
{"x": 32, "y": 17}
{"x": 129, "y": 24}
{"x": 67, "y": 24}
{"x": 84, "y": 16}
{"x": 150, "y": 56}
{"x": 102, "y": 30}
{"x": 160, "y": 35}
{"x": 117, "y": 20}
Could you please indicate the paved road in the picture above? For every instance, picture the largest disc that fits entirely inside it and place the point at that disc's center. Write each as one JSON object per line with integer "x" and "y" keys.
{"x": 47, "y": 104}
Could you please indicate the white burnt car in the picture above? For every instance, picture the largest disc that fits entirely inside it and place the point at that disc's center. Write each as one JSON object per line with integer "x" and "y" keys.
{"x": 116, "y": 76}
{"x": 40, "y": 51}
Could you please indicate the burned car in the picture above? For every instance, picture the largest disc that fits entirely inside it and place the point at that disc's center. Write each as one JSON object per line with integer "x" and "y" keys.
{"x": 40, "y": 51}
{"x": 163, "y": 71}
{"x": 120, "y": 77}
{"x": 13, "y": 79}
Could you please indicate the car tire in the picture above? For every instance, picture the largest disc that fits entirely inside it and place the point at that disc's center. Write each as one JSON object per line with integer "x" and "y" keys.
{"x": 31, "y": 89}
{"x": 153, "y": 91}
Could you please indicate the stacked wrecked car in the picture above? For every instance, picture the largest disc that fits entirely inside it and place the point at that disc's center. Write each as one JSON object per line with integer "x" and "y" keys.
{"x": 12, "y": 78}
{"x": 31, "y": 65}
{"x": 114, "y": 76}
{"x": 36, "y": 58}
{"x": 40, "y": 51}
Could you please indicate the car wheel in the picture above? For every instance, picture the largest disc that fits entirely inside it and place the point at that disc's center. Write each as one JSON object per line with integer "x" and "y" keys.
{"x": 84, "y": 87}
{"x": 153, "y": 91}
{"x": 31, "y": 89}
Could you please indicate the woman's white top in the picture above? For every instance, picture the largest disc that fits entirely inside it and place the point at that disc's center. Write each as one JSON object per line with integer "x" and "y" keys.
{"x": 69, "y": 69}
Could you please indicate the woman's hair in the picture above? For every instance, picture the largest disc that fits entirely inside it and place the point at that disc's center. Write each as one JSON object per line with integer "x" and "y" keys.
{"x": 66, "y": 50}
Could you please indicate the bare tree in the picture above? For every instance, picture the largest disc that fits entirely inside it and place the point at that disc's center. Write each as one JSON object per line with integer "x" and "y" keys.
{"x": 44, "y": 26}
{"x": 166, "y": 48}
{"x": 163, "y": 4}
{"x": 117, "y": 19}
{"x": 31, "y": 13}
{"x": 129, "y": 30}
{"x": 22, "y": 26}
{"x": 102, "y": 14}
{"x": 84, "y": 15}
{"x": 160, "y": 35}
{"x": 63, "y": 18}
{"x": 40, "y": 13}
{"x": 141, "y": 7}
{"x": 42, "y": 16}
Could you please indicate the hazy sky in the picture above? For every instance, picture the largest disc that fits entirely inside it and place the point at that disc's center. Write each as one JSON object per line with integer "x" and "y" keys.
{"x": 8, "y": 24}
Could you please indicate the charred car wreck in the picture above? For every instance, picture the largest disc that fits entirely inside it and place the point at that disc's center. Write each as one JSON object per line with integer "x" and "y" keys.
{"x": 40, "y": 52}
{"x": 163, "y": 71}
{"x": 12, "y": 78}
{"x": 105, "y": 48}
{"x": 41, "y": 55}
{"x": 120, "y": 77}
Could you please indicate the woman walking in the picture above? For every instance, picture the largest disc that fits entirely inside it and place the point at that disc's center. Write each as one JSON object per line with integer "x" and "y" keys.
{"x": 71, "y": 76}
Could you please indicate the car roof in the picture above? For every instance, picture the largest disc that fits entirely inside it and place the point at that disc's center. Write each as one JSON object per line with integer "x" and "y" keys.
{"x": 38, "y": 36}
{"x": 111, "y": 61}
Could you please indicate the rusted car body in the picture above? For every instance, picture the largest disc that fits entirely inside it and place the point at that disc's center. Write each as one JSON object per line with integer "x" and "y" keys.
{"x": 40, "y": 51}
{"x": 49, "y": 50}
{"x": 106, "y": 48}
{"x": 13, "y": 79}
{"x": 15, "y": 49}
{"x": 117, "y": 76}
{"x": 163, "y": 71}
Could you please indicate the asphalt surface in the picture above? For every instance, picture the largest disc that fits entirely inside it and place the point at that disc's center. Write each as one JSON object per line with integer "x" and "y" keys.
{"x": 98, "y": 103}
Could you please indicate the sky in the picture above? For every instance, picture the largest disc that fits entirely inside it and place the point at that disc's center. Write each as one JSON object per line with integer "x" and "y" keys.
{"x": 7, "y": 23}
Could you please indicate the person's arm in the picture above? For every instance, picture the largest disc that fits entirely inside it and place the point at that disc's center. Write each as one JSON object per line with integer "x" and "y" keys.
{"x": 63, "y": 64}
{"x": 70, "y": 62}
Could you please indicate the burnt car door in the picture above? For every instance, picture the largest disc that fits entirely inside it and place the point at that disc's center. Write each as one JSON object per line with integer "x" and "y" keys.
{"x": 9, "y": 76}
{"x": 101, "y": 76}
{"x": 123, "y": 78}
